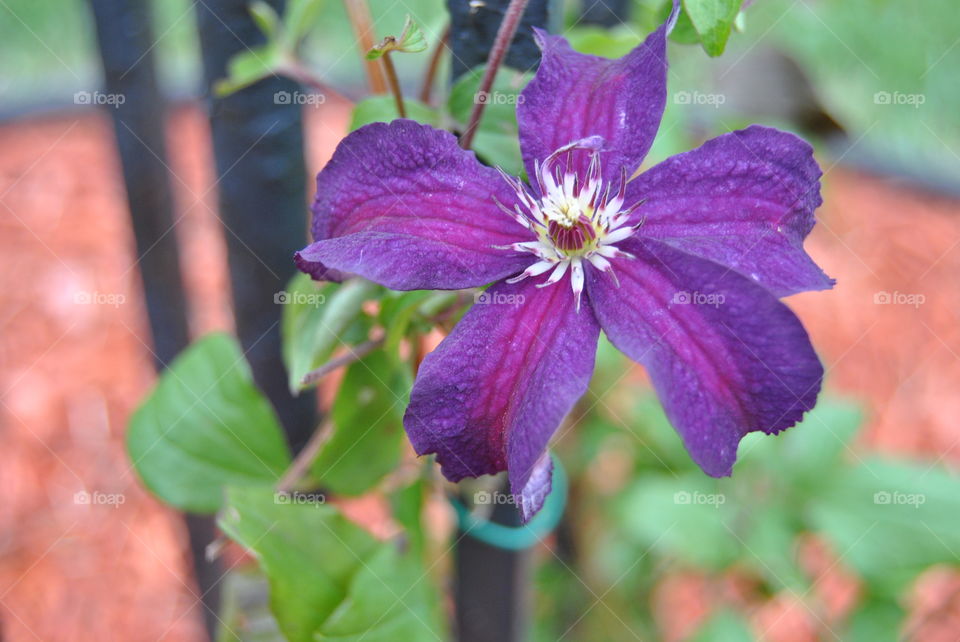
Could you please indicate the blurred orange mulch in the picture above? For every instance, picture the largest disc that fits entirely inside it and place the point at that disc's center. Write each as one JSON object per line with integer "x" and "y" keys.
{"x": 71, "y": 373}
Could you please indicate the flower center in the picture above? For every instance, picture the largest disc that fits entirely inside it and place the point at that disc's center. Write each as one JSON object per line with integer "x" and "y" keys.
{"x": 576, "y": 218}
{"x": 576, "y": 238}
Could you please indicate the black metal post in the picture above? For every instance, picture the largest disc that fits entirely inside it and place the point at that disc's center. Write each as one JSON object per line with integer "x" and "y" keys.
{"x": 606, "y": 13}
{"x": 258, "y": 146}
{"x": 492, "y": 584}
{"x": 136, "y": 105}
{"x": 491, "y": 589}
{"x": 473, "y": 26}
{"x": 134, "y": 101}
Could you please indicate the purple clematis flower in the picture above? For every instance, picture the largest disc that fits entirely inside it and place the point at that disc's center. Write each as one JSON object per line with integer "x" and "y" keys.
{"x": 681, "y": 266}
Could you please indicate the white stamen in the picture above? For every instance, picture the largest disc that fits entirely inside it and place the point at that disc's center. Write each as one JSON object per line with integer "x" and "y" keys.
{"x": 576, "y": 279}
{"x": 537, "y": 268}
{"x": 576, "y": 219}
{"x": 621, "y": 234}
{"x": 557, "y": 274}
{"x": 611, "y": 252}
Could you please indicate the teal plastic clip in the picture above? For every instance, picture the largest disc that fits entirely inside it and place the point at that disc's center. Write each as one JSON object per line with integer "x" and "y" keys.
{"x": 518, "y": 538}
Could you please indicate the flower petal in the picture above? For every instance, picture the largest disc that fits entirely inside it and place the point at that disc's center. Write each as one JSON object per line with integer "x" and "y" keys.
{"x": 491, "y": 395}
{"x": 745, "y": 199}
{"x": 725, "y": 356}
{"x": 401, "y": 204}
{"x": 574, "y": 96}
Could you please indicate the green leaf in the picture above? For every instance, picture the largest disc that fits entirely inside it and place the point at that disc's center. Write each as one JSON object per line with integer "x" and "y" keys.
{"x": 283, "y": 38}
{"x": 383, "y": 109}
{"x": 204, "y": 426}
{"x": 298, "y": 18}
{"x": 712, "y": 20}
{"x": 397, "y": 312}
{"x": 891, "y": 519}
{"x": 407, "y": 504}
{"x": 244, "y": 614}
{"x": 329, "y": 579}
{"x": 411, "y": 40}
{"x": 389, "y": 599}
{"x": 497, "y": 138}
{"x": 316, "y": 321}
{"x": 367, "y": 417}
{"x": 599, "y": 41}
{"x": 803, "y": 455}
{"x": 725, "y": 626}
{"x": 686, "y": 516}
{"x": 876, "y": 620}
{"x": 890, "y": 98}
{"x": 248, "y": 67}
{"x": 769, "y": 545}
{"x": 266, "y": 18}
{"x": 683, "y": 32}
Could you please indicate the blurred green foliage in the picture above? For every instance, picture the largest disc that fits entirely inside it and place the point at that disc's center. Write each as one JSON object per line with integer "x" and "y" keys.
{"x": 884, "y": 70}
{"x": 886, "y": 519}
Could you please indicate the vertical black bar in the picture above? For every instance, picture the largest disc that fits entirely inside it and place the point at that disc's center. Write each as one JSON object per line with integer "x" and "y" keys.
{"x": 491, "y": 591}
{"x": 473, "y": 27}
{"x": 137, "y": 108}
{"x": 258, "y": 146}
{"x": 125, "y": 37}
{"x": 606, "y": 13}
{"x": 491, "y": 584}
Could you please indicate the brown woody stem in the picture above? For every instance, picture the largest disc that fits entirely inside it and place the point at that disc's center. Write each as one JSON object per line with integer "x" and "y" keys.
{"x": 433, "y": 65}
{"x": 359, "y": 14}
{"x": 301, "y": 463}
{"x": 508, "y": 28}
{"x": 394, "y": 83}
{"x": 356, "y": 353}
